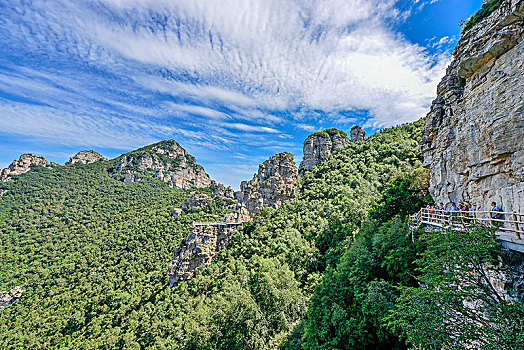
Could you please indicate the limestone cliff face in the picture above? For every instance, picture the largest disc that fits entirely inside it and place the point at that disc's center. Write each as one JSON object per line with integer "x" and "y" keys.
{"x": 357, "y": 133}
{"x": 221, "y": 190}
{"x": 319, "y": 146}
{"x": 273, "y": 184}
{"x": 23, "y": 165}
{"x": 473, "y": 139}
{"x": 84, "y": 157}
{"x": 199, "y": 248}
{"x": 166, "y": 160}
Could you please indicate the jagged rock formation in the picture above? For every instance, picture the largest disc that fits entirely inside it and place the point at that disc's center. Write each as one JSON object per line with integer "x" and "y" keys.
{"x": 221, "y": 190}
{"x": 7, "y": 298}
{"x": 473, "y": 140}
{"x": 199, "y": 248}
{"x": 273, "y": 184}
{"x": 129, "y": 178}
{"x": 195, "y": 199}
{"x": 241, "y": 214}
{"x": 507, "y": 277}
{"x": 357, "y": 133}
{"x": 84, "y": 157}
{"x": 165, "y": 160}
{"x": 319, "y": 146}
{"x": 23, "y": 165}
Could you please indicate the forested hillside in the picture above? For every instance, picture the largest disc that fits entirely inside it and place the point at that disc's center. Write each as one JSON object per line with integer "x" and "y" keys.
{"x": 91, "y": 253}
{"x": 320, "y": 272}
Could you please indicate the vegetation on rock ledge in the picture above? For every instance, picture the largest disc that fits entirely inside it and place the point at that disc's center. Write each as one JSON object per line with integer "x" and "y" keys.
{"x": 488, "y": 7}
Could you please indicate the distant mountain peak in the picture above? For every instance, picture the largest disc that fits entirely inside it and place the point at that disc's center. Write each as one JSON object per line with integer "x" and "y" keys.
{"x": 165, "y": 160}
{"x": 85, "y": 157}
{"x": 23, "y": 165}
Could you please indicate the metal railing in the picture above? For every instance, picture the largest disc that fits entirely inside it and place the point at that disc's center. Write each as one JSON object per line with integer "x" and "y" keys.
{"x": 218, "y": 223}
{"x": 508, "y": 221}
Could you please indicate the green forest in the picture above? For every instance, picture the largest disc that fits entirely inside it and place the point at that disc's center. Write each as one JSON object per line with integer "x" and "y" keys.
{"x": 336, "y": 268}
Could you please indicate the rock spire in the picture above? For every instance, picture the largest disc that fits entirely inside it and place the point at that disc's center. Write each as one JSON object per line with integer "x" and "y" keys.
{"x": 319, "y": 145}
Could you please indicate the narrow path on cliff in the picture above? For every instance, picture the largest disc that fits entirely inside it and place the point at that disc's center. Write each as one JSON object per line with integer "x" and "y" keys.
{"x": 510, "y": 226}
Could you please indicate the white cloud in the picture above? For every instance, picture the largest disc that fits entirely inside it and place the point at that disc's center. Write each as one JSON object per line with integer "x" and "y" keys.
{"x": 226, "y": 74}
{"x": 326, "y": 55}
{"x": 245, "y": 127}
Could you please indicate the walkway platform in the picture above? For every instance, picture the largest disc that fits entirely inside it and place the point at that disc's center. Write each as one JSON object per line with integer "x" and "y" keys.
{"x": 510, "y": 232}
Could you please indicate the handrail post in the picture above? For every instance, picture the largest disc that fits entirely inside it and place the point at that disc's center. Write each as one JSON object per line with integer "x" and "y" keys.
{"x": 516, "y": 225}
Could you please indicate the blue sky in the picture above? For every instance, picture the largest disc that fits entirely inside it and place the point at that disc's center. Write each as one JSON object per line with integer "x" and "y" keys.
{"x": 234, "y": 82}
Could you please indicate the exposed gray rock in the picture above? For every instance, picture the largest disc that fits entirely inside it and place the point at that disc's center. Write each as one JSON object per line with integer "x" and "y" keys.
{"x": 165, "y": 160}
{"x": 221, "y": 190}
{"x": 199, "y": 248}
{"x": 85, "y": 157}
{"x": 357, "y": 133}
{"x": 241, "y": 214}
{"x": 177, "y": 212}
{"x": 198, "y": 200}
{"x": 319, "y": 146}
{"x": 473, "y": 140}
{"x": 7, "y": 298}
{"x": 23, "y": 165}
{"x": 129, "y": 178}
{"x": 273, "y": 184}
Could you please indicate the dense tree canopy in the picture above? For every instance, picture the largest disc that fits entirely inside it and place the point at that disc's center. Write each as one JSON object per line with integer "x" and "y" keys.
{"x": 321, "y": 272}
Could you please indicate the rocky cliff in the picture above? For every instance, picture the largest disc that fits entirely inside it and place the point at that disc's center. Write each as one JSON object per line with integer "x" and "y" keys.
{"x": 7, "y": 298}
{"x": 23, "y": 165}
{"x": 473, "y": 140}
{"x": 273, "y": 184}
{"x": 199, "y": 248}
{"x": 357, "y": 133}
{"x": 84, "y": 157}
{"x": 221, "y": 190}
{"x": 319, "y": 145}
{"x": 165, "y": 160}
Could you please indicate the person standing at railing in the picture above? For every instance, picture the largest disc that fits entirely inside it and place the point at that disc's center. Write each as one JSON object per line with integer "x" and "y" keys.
{"x": 463, "y": 213}
{"x": 426, "y": 216}
{"x": 468, "y": 212}
{"x": 432, "y": 213}
{"x": 440, "y": 213}
{"x": 495, "y": 214}
{"x": 453, "y": 211}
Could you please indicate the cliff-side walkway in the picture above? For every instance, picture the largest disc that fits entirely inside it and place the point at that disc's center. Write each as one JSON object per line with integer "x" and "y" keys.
{"x": 510, "y": 226}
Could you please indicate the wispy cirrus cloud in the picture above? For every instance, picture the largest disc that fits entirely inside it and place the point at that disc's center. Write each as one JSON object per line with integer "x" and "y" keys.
{"x": 235, "y": 76}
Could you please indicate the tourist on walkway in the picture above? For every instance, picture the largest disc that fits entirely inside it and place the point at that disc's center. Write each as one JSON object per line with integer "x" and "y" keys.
{"x": 440, "y": 213}
{"x": 495, "y": 214}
